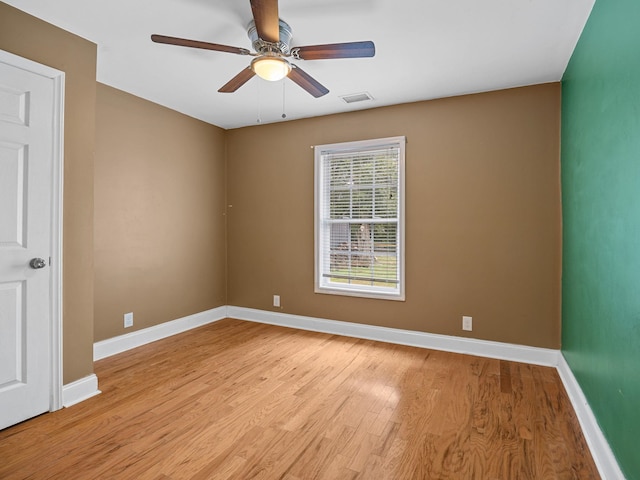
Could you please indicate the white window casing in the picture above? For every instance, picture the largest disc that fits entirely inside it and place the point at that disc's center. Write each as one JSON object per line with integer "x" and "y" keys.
{"x": 359, "y": 218}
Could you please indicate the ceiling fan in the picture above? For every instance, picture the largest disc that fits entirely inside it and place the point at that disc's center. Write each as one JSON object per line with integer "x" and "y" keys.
{"x": 270, "y": 37}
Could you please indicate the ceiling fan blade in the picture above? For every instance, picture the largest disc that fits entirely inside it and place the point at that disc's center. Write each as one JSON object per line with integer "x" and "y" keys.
{"x": 307, "y": 82}
{"x": 265, "y": 16}
{"x": 183, "y": 42}
{"x": 335, "y": 50}
{"x": 236, "y": 82}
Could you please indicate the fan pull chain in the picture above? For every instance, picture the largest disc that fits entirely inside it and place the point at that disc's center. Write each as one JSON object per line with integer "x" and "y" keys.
{"x": 259, "y": 109}
{"x": 284, "y": 115}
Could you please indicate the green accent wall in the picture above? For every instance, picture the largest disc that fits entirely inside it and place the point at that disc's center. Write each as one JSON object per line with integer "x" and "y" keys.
{"x": 601, "y": 222}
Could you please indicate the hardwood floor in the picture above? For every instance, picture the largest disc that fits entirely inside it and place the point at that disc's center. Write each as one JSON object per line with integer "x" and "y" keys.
{"x": 241, "y": 400}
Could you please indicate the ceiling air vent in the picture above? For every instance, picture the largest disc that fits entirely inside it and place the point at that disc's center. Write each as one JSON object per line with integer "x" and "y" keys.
{"x": 356, "y": 97}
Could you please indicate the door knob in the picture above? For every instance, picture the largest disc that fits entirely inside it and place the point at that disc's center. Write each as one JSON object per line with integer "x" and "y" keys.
{"x": 37, "y": 263}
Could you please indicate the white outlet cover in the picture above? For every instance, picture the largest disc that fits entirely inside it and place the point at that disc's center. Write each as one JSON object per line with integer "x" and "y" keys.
{"x": 128, "y": 320}
{"x": 276, "y": 300}
{"x": 467, "y": 323}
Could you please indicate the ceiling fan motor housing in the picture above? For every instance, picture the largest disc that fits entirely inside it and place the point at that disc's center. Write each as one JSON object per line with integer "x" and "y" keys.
{"x": 262, "y": 46}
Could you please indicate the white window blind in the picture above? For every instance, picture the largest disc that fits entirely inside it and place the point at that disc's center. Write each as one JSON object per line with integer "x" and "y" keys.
{"x": 359, "y": 218}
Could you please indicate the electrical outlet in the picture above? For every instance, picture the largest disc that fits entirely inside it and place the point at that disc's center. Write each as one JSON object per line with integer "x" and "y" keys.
{"x": 128, "y": 320}
{"x": 276, "y": 300}
{"x": 467, "y": 323}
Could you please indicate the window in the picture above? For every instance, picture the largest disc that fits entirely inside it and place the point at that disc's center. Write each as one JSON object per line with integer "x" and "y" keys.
{"x": 359, "y": 218}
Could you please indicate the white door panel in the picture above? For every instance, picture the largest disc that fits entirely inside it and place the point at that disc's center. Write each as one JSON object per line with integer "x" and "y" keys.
{"x": 12, "y": 185}
{"x": 26, "y": 168}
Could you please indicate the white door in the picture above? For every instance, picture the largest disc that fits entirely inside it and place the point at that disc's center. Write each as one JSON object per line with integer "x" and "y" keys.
{"x": 27, "y": 145}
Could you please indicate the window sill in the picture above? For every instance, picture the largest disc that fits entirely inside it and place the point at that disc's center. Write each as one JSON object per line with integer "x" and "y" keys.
{"x": 352, "y": 292}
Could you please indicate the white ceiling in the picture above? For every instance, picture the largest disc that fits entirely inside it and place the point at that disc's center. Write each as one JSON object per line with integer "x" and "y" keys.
{"x": 425, "y": 49}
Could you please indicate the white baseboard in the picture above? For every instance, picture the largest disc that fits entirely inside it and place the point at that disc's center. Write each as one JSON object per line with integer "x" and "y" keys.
{"x": 122, "y": 343}
{"x": 80, "y": 390}
{"x": 470, "y": 346}
{"x": 602, "y": 455}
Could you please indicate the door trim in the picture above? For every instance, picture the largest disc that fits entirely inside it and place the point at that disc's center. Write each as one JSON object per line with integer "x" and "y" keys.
{"x": 57, "y": 178}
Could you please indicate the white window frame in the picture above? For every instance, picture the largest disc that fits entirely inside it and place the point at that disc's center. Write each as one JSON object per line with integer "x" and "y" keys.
{"x": 322, "y": 283}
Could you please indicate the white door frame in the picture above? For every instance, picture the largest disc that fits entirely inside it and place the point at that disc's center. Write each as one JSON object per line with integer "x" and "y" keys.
{"x": 55, "y": 306}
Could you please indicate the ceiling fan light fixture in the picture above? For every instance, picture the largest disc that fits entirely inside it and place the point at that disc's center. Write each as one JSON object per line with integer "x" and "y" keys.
{"x": 270, "y": 67}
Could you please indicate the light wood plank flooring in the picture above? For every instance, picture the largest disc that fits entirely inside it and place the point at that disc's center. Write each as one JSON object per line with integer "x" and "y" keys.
{"x": 240, "y": 400}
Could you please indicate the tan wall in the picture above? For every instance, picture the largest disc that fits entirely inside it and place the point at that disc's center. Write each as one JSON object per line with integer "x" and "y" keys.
{"x": 159, "y": 214}
{"x": 24, "y": 35}
{"x": 483, "y": 218}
